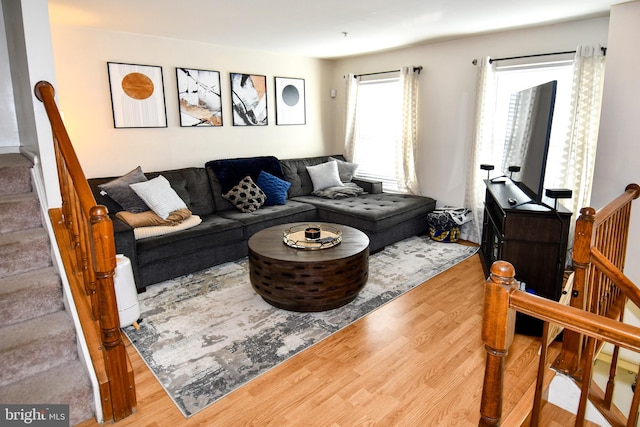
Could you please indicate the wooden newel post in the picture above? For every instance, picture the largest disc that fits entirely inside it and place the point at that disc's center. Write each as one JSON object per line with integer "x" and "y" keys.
{"x": 498, "y": 328}
{"x": 113, "y": 346}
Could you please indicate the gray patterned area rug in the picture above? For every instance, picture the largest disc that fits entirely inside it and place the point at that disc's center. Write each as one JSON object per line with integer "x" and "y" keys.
{"x": 205, "y": 334}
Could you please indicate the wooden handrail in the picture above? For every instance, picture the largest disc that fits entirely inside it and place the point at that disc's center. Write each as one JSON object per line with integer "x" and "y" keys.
{"x": 89, "y": 257}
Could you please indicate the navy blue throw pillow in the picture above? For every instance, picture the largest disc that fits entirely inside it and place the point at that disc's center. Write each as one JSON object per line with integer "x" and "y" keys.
{"x": 274, "y": 188}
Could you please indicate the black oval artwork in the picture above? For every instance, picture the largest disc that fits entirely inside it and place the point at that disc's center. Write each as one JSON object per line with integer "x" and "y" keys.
{"x": 290, "y": 95}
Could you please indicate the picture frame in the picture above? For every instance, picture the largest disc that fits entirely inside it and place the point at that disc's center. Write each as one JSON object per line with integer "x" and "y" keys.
{"x": 290, "y": 101}
{"x": 249, "y": 99}
{"x": 199, "y": 97}
{"x": 137, "y": 95}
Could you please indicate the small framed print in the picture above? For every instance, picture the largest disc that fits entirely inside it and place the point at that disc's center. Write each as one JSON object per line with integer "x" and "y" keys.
{"x": 249, "y": 99}
{"x": 137, "y": 95}
{"x": 199, "y": 97}
{"x": 290, "y": 101}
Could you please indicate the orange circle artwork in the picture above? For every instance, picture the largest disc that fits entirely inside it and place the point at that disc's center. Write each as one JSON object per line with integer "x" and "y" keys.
{"x": 137, "y": 86}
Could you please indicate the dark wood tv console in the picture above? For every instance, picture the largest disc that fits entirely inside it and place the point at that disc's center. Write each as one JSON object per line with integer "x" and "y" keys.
{"x": 531, "y": 236}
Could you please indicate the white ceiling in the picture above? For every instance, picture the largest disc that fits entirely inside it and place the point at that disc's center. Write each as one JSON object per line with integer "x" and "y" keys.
{"x": 315, "y": 28}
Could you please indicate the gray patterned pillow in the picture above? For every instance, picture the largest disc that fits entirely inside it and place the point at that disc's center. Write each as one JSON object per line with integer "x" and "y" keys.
{"x": 246, "y": 196}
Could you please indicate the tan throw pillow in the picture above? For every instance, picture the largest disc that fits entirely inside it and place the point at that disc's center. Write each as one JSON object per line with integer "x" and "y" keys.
{"x": 150, "y": 218}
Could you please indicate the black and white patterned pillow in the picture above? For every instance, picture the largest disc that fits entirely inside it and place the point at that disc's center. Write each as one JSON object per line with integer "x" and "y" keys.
{"x": 246, "y": 196}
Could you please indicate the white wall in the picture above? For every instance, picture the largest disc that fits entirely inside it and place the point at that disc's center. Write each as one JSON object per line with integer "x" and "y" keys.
{"x": 447, "y": 92}
{"x": 8, "y": 123}
{"x": 30, "y": 56}
{"x": 617, "y": 160}
{"x": 81, "y": 57}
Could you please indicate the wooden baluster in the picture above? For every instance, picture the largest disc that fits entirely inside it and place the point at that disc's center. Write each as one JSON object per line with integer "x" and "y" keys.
{"x": 542, "y": 367}
{"x": 632, "y": 420}
{"x": 608, "y": 394}
{"x": 498, "y": 327}
{"x": 586, "y": 382}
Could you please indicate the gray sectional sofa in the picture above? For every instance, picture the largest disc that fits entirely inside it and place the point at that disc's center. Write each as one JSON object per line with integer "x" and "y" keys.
{"x": 224, "y": 231}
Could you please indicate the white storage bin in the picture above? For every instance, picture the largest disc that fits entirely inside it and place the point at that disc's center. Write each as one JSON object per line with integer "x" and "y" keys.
{"x": 126, "y": 292}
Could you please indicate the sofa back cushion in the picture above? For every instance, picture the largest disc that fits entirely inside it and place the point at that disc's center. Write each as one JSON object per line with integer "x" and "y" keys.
{"x": 295, "y": 171}
{"x": 226, "y": 173}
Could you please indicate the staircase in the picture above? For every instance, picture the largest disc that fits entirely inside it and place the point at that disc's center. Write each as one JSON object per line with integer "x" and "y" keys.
{"x": 38, "y": 348}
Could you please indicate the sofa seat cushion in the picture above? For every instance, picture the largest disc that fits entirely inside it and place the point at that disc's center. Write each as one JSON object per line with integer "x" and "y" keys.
{"x": 371, "y": 212}
{"x": 214, "y": 230}
{"x": 267, "y": 216}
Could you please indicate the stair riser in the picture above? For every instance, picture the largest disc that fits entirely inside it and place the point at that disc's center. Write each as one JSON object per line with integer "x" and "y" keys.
{"x": 36, "y": 357}
{"x": 20, "y": 257}
{"x": 20, "y": 215}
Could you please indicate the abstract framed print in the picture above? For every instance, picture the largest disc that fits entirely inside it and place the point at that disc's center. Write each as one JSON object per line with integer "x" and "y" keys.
{"x": 199, "y": 97}
{"x": 290, "y": 101}
{"x": 249, "y": 99}
{"x": 137, "y": 95}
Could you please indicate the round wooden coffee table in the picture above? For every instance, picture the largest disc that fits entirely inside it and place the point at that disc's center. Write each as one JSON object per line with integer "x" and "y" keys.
{"x": 308, "y": 280}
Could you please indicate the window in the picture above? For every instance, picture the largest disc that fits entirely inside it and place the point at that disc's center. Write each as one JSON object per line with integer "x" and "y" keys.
{"x": 379, "y": 112}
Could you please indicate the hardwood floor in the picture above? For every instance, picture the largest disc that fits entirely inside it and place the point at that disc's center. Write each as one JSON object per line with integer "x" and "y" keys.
{"x": 417, "y": 361}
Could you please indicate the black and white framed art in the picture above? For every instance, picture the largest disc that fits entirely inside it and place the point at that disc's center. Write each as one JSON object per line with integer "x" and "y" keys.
{"x": 199, "y": 97}
{"x": 249, "y": 99}
{"x": 290, "y": 101}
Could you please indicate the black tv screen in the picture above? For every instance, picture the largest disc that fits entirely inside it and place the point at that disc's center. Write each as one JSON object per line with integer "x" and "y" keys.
{"x": 527, "y": 136}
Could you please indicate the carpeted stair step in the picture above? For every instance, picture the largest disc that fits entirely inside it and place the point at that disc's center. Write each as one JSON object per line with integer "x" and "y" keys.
{"x": 29, "y": 295}
{"x": 22, "y": 251}
{"x": 31, "y": 347}
{"x": 68, "y": 384}
{"x": 19, "y": 212}
{"x": 15, "y": 174}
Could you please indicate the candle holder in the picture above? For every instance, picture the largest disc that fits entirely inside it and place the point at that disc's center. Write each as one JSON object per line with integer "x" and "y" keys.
{"x": 312, "y": 233}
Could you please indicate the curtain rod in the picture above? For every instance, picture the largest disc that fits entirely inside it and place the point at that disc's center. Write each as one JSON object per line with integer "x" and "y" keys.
{"x": 491, "y": 60}
{"x": 415, "y": 69}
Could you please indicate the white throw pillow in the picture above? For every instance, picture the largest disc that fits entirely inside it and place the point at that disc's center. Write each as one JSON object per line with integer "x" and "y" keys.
{"x": 159, "y": 196}
{"x": 324, "y": 175}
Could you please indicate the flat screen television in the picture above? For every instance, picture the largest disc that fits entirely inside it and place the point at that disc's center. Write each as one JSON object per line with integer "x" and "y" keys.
{"x": 528, "y": 134}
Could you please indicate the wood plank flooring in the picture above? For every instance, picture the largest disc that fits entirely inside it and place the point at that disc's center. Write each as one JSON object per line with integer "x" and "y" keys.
{"x": 417, "y": 361}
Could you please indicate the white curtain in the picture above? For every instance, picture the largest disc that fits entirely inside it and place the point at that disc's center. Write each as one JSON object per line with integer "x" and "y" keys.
{"x": 482, "y": 149}
{"x": 579, "y": 150}
{"x": 408, "y": 138}
{"x": 351, "y": 99}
